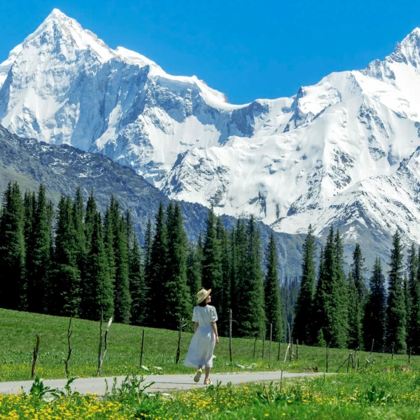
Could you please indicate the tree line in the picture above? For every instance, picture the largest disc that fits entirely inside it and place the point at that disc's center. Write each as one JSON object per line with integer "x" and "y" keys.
{"x": 74, "y": 261}
{"x": 342, "y": 310}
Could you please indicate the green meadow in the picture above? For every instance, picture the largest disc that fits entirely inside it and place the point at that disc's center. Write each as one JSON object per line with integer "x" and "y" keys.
{"x": 19, "y": 329}
{"x": 368, "y": 385}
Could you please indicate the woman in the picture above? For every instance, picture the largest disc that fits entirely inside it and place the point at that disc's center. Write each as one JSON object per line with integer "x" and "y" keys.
{"x": 200, "y": 352}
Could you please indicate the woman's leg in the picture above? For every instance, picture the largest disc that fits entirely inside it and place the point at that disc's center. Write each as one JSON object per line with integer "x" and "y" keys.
{"x": 207, "y": 374}
{"x": 197, "y": 375}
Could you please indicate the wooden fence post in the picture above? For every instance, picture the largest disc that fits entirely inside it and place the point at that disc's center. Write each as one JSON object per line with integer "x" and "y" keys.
{"x": 347, "y": 359}
{"x": 286, "y": 352}
{"x": 69, "y": 349}
{"x": 35, "y": 354}
{"x": 141, "y": 348}
{"x": 289, "y": 345}
{"x": 230, "y": 337}
{"x": 263, "y": 346}
{"x": 103, "y": 345}
{"x": 326, "y": 358}
{"x": 100, "y": 345}
{"x": 269, "y": 345}
{"x": 178, "y": 350}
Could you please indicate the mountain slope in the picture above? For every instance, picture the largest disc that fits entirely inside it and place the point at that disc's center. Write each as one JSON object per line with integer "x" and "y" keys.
{"x": 62, "y": 169}
{"x": 331, "y": 154}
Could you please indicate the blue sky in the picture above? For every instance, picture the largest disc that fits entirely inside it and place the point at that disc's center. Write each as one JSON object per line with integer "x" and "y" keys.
{"x": 246, "y": 49}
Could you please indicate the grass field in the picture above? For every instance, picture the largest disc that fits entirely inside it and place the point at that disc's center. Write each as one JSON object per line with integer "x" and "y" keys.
{"x": 378, "y": 387}
{"x": 18, "y": 331}
{"x": 363, "y": 395}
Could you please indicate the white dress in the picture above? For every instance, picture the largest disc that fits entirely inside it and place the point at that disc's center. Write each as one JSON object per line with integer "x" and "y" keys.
{"x": 200, "y": 352}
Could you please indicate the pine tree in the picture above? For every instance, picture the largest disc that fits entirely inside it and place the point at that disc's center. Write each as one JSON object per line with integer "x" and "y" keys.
{"x": 330, "y": 303}
{"x": 12, "y": 250}
{"x": 302, "y": 330}
{"x": 250, "y": 312}
{"x": 97, "y": 291}
{"x": 234, "y": 271}
{"x": 79, "y": 229}
{"x": 407, "y": 304}
{"x": 39, "y": 258}
{"x": 147, "y": 252}
{"x": 89, "y": 218}
{"x": 396, "y": 311}
{"x": 318, "y": 315}
{"x": 224, "y": 303}
{"x": 29, "y": 203}
{"x": 90, "y": 213}
{"x": 375, "y": 311}
{"x": 176, "y": 295}
{"x": 273, "y": 307}
{"x": 357, "y": 273}
{"x": 157, "y": 270}
{"x": 212, "y": 260}
{"x": 289, "y": 291}
{"x": 239, "y": 270}
{"x": 138, "y": 290}
{"x": 340, "y": 296}
{"x": 357, "y": 299}
{"x": 323, "y": 302}
{"x": 122, "y": 298}
{"x": 414, "y": 290}
{"x": 109, "y": 243}
{"x": 409, "y": 280}
{"x": 148, "y": 240}
{"x": 64, "y": 277}
{"x": 194, "y": 269}
{"x": 355, "y": 340}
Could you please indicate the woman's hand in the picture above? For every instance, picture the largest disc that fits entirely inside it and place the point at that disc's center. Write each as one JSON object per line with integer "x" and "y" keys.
{"x": 217, "y": 339}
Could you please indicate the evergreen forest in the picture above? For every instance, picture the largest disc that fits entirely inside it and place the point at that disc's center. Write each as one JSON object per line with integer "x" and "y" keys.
{"x": 73, "y": 260}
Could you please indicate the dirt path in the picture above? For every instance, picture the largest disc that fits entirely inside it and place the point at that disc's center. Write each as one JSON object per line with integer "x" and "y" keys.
{"x": 161, "y": 383}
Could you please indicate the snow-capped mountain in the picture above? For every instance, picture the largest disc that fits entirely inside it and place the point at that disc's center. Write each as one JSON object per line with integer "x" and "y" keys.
{"x": 62, "y": 169}
{"x": 344, "y": 151}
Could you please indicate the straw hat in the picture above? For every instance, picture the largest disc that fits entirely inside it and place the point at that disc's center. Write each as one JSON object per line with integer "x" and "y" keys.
{"x": 202, "y": 295}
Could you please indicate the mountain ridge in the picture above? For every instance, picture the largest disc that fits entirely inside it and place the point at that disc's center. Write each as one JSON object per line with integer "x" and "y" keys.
{"x": 62, "y": 169}
{"x": 333, "y": 146}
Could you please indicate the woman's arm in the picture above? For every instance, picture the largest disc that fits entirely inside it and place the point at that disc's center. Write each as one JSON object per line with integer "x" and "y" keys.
{"x": 195, "y": 326}
{"x": 214, "y": 328}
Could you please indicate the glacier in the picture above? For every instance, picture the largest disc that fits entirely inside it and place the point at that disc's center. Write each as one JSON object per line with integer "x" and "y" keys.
{"x": 343, "y": 152}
